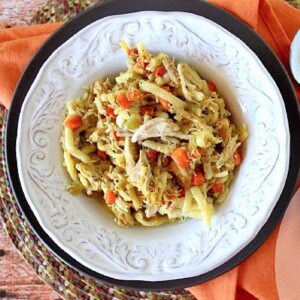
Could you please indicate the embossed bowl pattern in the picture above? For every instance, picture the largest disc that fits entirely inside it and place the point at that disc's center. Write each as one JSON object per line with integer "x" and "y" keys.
{"x": 79, "y": 225}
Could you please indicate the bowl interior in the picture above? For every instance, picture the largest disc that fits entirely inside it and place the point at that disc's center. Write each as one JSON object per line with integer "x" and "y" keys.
{"x": 113, "y": 66}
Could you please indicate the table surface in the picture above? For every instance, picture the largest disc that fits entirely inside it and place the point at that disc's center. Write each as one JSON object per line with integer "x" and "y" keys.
{"x": 18, "y": 12}
{"x": 17, "y": 279}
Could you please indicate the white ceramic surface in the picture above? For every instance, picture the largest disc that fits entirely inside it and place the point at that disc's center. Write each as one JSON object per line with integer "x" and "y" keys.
{"x": 295, "y": 57}
{"x": 79, "y": 225}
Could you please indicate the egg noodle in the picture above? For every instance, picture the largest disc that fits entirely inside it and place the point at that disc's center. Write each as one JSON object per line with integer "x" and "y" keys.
{"x": 158, "y": 144}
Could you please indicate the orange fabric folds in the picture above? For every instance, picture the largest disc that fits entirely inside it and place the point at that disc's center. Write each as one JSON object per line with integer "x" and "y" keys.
{"x": 17, "y": 46}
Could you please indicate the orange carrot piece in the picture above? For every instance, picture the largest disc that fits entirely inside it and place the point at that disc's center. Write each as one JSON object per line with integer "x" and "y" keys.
{"x": 123, "y": 101}
{"x": 110, "y": 112}
{"x": 74, "y": 122}
{"x": 211, "y": 86}
{"x": 165, "y": 104}
{"x": 198, "y": 178}
{"x": 217, "y": 188}
{"x": 110, "y": 197}
{"x": 133, "y": 51}
{"x": 180, "y": 156}
{"x": 237, "y": 157}
{"x": 160, "y": 71}
{"x": 133, "y": 95}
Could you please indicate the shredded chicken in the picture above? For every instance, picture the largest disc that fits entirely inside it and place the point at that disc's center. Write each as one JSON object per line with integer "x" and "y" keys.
{"x": 157, "y": 127}
{"x": 171, "y": 69}
{"x": 129, "y": 154}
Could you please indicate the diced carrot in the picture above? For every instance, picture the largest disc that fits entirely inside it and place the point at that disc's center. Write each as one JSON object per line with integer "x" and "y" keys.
{"x": 165, "y": 104}
{"x": 110, "y": 197}
{"x": 102, "y": 154}
{"x": 115, "y": 135}
{"x": 180, "y": 156}
{"x": 237, "y": 157}
{"x": 133, "y": 51}
{"x": 123, "y": 101}
{"x": 74, "y": 122}
{"x": 147, "y": 110}
{"x": 110, "y": 112}
{"x": 217, "y": 188}
{"x": 160, "y": 71}
{"x": 133, "y": 95}
{"x": 198, "y": 178}
{"x": 211, "y": 86}
{"x": 152, "y": 155}
{"x": 196, "y": 153}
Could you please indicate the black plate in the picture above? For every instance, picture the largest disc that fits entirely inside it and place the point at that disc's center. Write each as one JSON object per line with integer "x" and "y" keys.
{"x": 115, "y": 7}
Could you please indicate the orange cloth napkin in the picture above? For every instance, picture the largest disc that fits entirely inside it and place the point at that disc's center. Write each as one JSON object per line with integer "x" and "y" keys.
{"x": 17, "y": 46}
{"x": 277, "y": 22}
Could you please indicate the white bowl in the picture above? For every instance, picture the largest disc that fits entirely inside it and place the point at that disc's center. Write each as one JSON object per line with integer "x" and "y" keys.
{"x": 295, "y": 57}
{"x": 80, "y": 225}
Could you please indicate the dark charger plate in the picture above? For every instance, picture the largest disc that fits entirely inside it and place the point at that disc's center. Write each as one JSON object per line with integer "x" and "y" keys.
{"x": 115, "y": 7}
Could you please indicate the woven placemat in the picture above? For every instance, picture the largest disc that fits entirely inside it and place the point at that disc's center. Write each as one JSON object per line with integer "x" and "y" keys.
{"x": 63, "y": 10}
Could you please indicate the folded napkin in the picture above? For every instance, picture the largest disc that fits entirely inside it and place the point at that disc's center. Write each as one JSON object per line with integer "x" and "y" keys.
{"x": 277, "y": 23}
{"x": 17, "y": 46}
